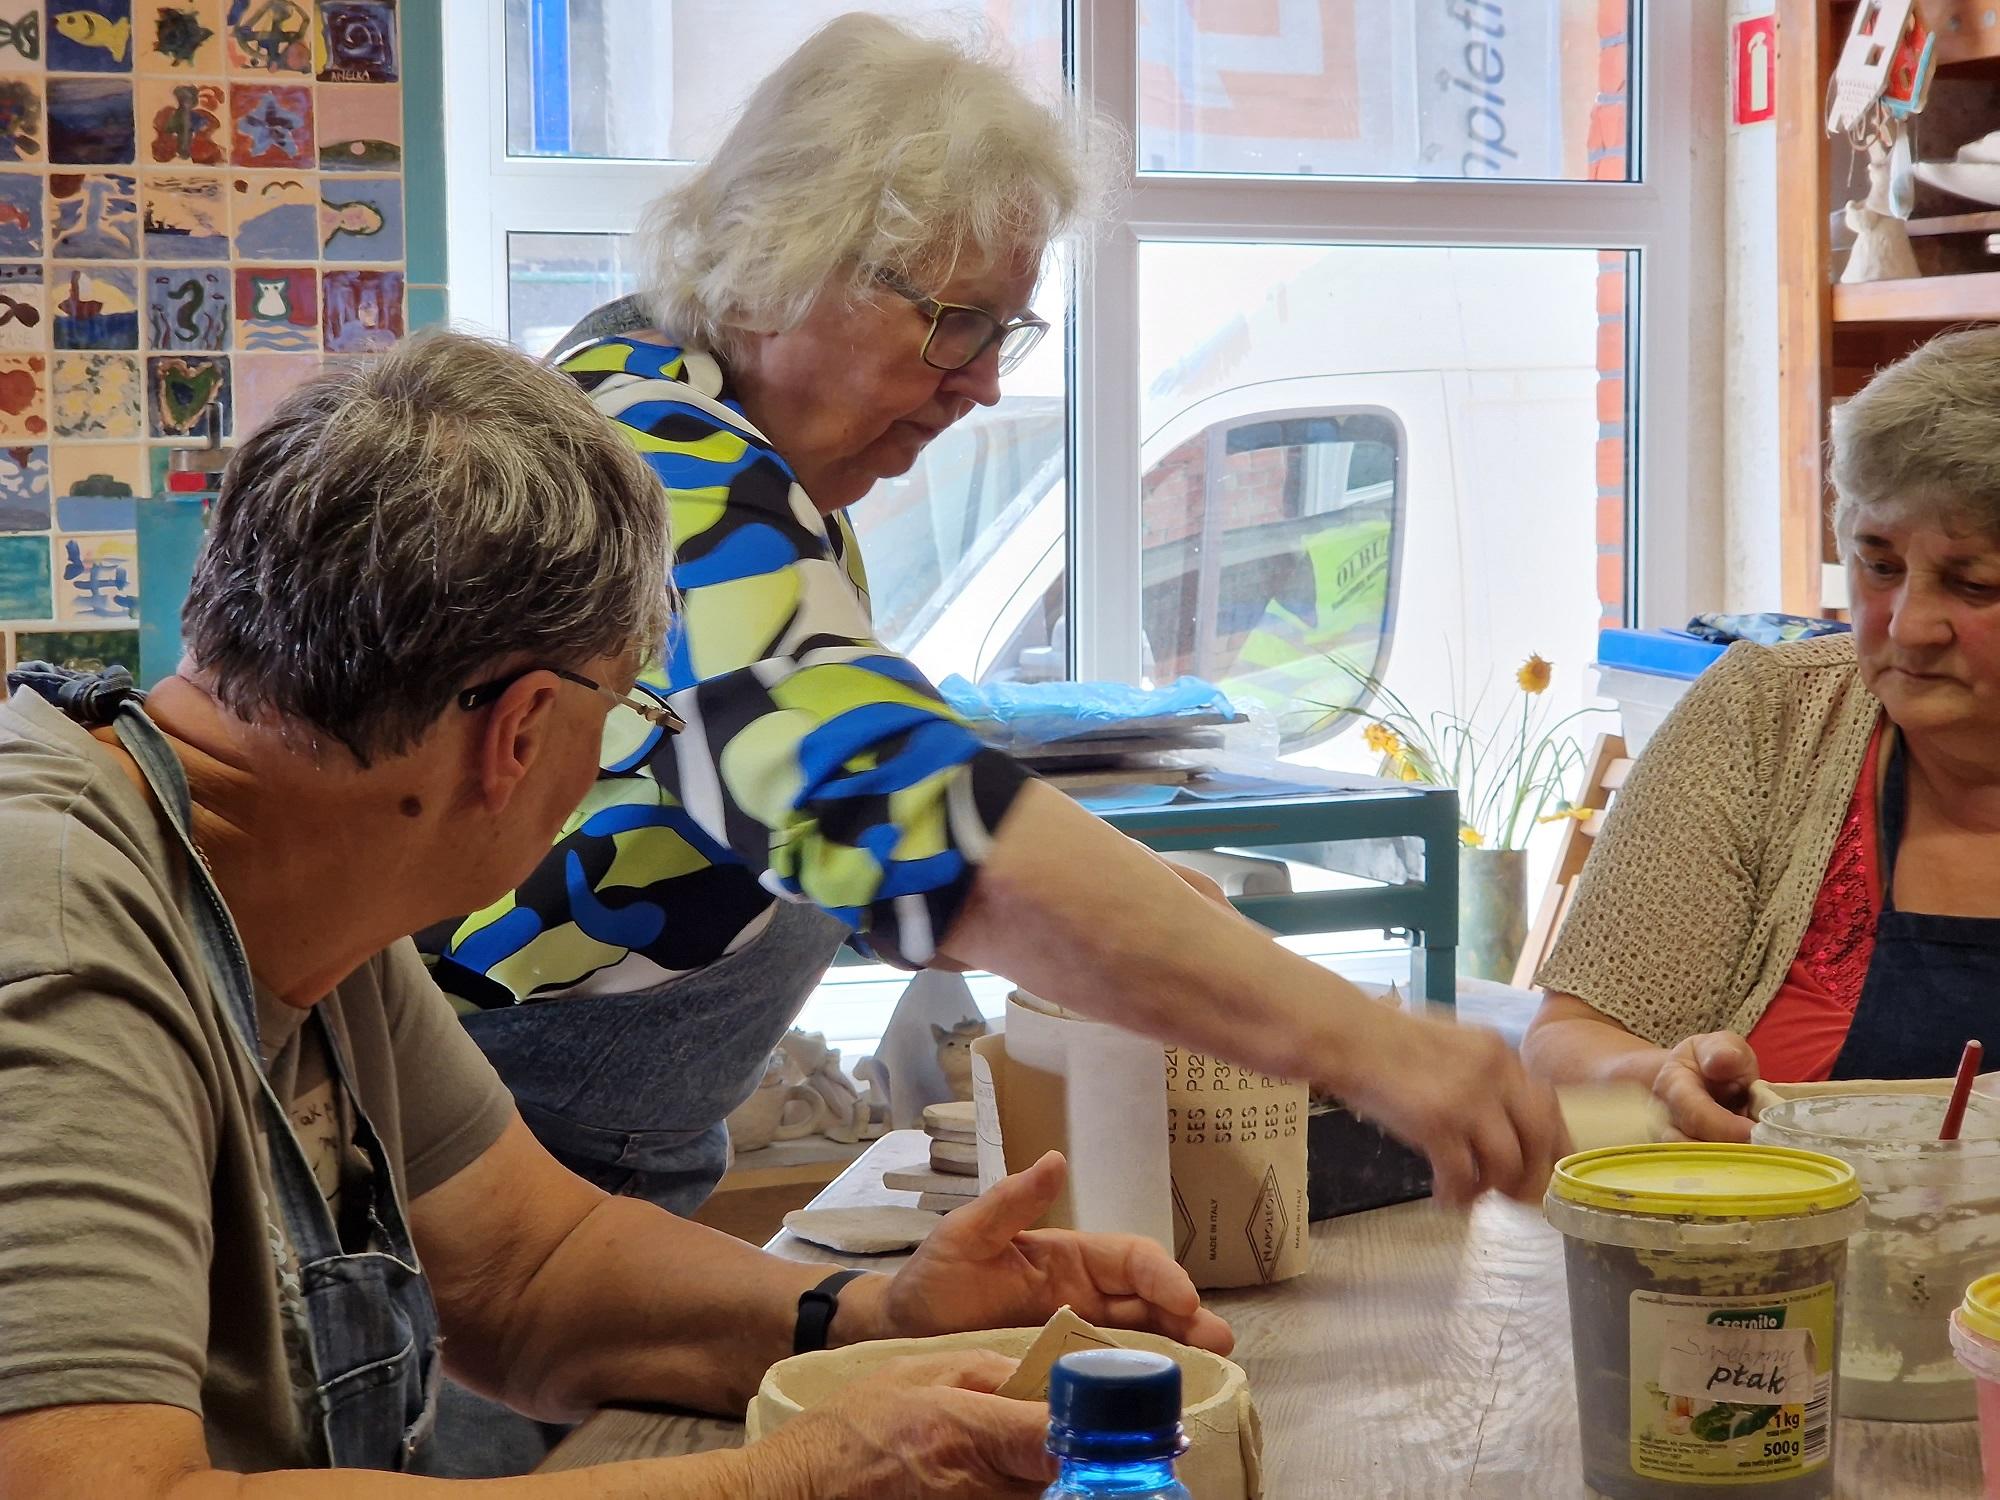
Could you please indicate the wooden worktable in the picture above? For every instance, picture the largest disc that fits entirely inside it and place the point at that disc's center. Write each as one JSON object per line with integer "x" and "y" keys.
{"x": 1423, "y": 1354}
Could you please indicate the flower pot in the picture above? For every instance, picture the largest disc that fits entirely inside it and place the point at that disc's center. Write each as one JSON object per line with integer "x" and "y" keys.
{"x": 1492, "y": 912}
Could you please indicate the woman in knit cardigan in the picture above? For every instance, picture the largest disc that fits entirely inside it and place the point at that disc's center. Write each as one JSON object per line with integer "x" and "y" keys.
{"x": 1801, "y": 879}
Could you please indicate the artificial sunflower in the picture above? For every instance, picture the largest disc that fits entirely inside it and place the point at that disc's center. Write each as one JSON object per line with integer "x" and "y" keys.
{"x": 1383, "y": 740}
{"x": 1472, "y": 838}
{"x": 1534, "y": 675}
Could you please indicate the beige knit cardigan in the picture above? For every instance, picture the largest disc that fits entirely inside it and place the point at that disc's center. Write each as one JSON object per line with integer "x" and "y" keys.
{"x": 1694, "y": 899}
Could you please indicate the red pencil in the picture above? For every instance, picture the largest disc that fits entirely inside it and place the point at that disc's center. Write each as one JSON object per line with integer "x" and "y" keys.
{"x": 1961, "y": 1090}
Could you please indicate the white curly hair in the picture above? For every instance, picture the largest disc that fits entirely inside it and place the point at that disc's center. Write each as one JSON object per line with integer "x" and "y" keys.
{"x": 872, "y": 148}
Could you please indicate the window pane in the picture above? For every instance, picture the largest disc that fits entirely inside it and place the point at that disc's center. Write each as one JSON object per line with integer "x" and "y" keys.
{"x": 1268, "y": 546}
{"x": 660, "y": 79}
{"x": 554, "y": 279}
{"x": 1386, "y": 88}
{"x": 1408, "y": 458}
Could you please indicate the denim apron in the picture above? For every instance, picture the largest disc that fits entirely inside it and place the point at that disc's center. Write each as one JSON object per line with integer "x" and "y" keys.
{"x": 369, "y": 1322}
{"x": 1933, "y": 982}
{"x": 630, "y": 1091}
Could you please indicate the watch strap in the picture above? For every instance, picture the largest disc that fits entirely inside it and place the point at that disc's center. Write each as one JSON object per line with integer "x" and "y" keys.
{"x": 816, "y": 1310}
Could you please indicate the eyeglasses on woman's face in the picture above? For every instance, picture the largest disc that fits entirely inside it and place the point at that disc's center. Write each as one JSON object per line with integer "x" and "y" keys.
{"x": 960, "y": 334}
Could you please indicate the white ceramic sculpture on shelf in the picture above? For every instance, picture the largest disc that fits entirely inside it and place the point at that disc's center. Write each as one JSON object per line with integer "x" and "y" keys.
{"x": 848, "y": 1115}
{"x": 782, "y": 1109}
{"x": 954, "y": 1052}
{"x": 905, "y": 1072}
{"x": 1881, "y": 239}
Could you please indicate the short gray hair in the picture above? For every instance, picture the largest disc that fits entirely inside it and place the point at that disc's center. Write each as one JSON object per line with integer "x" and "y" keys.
{"x": 405, "y": 524}
{"x": 1922, "y": 439}
{"x": 872, "y": 148}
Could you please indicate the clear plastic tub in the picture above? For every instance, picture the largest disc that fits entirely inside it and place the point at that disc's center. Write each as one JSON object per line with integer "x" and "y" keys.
{"x": 1975, "y": 1338}
{"x": 1933, "y": 1225}
{"x": 1704, "y": 1291}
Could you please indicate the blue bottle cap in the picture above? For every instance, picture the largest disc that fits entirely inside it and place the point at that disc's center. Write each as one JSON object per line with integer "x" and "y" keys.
{"x": 1106, "y": 1403}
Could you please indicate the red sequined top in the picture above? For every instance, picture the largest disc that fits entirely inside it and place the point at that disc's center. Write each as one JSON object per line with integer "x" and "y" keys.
{"x": 1803, "y": 1028}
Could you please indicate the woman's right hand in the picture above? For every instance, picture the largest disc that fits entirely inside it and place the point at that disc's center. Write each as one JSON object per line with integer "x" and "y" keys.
{"x": 921, "y": 1428}
{"x": 1704, "y": 1083}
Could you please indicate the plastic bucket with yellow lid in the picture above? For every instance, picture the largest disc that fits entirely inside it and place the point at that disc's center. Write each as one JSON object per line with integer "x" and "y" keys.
{"x": 1704, "y": 1293}
{"x": 1975, "y": 1339}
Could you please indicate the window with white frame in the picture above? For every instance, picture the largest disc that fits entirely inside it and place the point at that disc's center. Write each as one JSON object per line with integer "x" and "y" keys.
{"x": 1383, "y": 356}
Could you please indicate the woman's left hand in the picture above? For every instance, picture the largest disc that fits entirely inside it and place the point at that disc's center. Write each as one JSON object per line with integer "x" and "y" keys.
{"x": 983, "y": 1267}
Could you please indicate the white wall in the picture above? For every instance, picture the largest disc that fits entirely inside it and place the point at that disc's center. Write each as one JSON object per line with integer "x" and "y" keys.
{"x": 1751, "y": 552}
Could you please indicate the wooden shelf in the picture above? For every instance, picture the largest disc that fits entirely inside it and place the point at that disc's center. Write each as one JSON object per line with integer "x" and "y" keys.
{"x": 1964, "y": 34}
{"x": 1973, "y": 298}
{"x": 1985, "y": 221}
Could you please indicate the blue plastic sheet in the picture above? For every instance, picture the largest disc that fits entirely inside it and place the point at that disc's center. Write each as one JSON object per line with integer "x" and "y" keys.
{"x": 1125, "y": 798}
{"x": 1047, "y": 713}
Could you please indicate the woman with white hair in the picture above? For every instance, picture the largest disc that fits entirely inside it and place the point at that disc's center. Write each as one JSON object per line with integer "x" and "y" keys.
{"x": 259, "y": 1186}
{"x": 850, "y": 274}
{"x": 1801, "y": 878}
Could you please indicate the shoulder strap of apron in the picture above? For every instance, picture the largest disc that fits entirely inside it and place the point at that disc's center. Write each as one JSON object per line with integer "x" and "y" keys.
{"x": 1892, "y": 809}
{"x": 111, "y": 697}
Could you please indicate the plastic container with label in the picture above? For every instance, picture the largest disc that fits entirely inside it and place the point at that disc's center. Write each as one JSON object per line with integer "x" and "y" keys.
{"x": 1975, "y": 1338}
{"x": 1704, "y": 1292}
{"x": 1933, "y": 1226}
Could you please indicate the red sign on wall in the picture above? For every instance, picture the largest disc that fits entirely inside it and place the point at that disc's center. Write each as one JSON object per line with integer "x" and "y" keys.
{"x": 1754, "y": 48}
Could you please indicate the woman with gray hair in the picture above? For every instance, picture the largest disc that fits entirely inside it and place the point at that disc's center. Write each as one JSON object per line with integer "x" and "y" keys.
{"x": 1801, "y": 879}
{"x": 849, "y": 275}
{"x": 259, "y": 1185}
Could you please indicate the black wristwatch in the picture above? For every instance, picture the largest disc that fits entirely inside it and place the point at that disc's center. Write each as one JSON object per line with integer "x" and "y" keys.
{"x": 816, "y": 1310}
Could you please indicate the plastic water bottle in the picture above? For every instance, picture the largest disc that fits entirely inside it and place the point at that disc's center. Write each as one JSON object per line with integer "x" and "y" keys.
{"x": 1115, "y": 1425}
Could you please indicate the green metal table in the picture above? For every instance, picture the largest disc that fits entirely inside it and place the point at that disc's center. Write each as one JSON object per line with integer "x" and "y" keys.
{"x": 1296, "y": 827}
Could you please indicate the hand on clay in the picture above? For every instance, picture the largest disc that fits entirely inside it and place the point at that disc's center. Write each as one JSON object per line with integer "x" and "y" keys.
{"x": 983, "y": 1267}
{"x": 1704, "y": 1083}
{"x": 924, "y": 1427}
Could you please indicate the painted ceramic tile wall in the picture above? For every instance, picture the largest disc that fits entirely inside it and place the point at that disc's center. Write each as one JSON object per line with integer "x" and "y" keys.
{"x": 199, "y": 201}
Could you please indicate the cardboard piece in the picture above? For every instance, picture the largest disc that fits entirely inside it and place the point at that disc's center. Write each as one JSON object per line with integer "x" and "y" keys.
{"x": 1224, "y": 1460}
{"x": 1065, "y": 1333}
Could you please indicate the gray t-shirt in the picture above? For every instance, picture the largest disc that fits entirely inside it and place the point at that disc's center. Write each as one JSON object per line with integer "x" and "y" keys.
{"x": 135, "y": 1260}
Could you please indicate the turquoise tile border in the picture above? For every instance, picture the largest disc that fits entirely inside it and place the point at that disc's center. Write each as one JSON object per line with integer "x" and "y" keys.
{"x": 423, "y": 142}
{"x": 429, "y": 307}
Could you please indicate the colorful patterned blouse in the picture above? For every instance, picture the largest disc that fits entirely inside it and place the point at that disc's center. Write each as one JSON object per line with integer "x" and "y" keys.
{"x": 817, "y": 765}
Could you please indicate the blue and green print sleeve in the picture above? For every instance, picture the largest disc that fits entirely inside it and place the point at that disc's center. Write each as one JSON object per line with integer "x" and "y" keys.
{"x": 817, "y": 765}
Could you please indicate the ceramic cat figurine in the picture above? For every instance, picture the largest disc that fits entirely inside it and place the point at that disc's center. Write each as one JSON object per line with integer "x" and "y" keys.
{"x": 954, "y": 1052}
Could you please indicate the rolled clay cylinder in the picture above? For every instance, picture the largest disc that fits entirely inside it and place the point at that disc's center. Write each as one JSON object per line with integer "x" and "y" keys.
{"x": 1611, "y": 1114}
